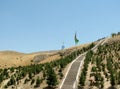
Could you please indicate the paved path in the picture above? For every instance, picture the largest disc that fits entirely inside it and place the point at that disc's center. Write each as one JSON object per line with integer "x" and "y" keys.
{"x": 72, "y": 76}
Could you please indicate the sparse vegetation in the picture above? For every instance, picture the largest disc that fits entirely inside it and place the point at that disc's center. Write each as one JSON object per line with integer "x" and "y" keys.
{"x": 47, "y": 71}
{"x": 38, "y": 82}
{"x": 51, "y": 76}
{"x": 115, "y": 34}
{"x": 32, "y": 82}
{"x": 105, "y": 66}
{"x": 12, "y": 81}
{"x": 84, "y": 70}
{"x": 28, "y": 73}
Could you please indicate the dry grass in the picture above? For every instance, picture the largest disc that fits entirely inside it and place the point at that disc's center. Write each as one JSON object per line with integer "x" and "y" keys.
{"x": 113, "y": 39}
{"x": 15, "y": 59}
{"x": 11, "y": 59}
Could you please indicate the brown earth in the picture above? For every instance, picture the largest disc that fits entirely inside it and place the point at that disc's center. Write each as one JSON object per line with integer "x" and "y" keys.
{"x": 15, "y": 59}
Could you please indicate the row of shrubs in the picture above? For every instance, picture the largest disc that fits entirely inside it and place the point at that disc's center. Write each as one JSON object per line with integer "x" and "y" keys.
{"x": 47, "y": 70}
{"x": 105, "y": 61}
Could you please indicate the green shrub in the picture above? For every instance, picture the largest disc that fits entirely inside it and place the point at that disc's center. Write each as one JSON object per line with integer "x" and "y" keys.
{"x": 26, "y": 80}
{"x": 51, "y": 77}
{"x": 32, "y": 82}
{"x": 38, "y": 82}
{"x": 12, "y": 81}
{"x": 94, "y": 69}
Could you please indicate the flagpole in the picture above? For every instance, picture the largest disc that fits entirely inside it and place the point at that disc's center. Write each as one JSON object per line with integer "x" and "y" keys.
{"x": 76, "y": 53}
{"x": 62, "y": 48}
{"x": 76, "y": 42}
{"x": 75, "y": 47}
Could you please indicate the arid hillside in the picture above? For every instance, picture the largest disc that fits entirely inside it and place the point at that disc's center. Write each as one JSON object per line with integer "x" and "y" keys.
{"x": 39, "y": 70}
{"x": 101, "y": 69}
{"x": 46, "y": 70}
{"x": 15, "y": 59}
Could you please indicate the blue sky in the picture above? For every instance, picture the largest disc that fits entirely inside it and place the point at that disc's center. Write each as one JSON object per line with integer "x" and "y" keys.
{"x": 38, "y": 25}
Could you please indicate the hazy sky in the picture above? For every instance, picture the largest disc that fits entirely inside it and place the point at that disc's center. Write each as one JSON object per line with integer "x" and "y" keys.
{"x": 37, "y": 25}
